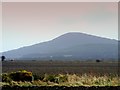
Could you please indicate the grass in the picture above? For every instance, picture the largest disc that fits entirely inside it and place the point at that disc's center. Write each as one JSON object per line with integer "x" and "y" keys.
{"x": 68, "y": 80}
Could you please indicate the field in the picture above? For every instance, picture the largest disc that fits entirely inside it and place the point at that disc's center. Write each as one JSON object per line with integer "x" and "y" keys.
{"x": 64, "y": 75}
{"x": 61, "y": 67}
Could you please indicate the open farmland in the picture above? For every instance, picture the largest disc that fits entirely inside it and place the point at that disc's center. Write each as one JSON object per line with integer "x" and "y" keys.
{"x": 61, "y": 67}
{"x": 78, "y": 75}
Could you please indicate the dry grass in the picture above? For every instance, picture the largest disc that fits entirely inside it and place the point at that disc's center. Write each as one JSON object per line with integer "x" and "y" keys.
{"x": 70, "y": 80}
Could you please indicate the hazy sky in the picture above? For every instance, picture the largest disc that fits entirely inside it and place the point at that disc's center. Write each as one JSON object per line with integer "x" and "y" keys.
{"x": 60, "y": 0}
{"x": 28, "y": 23}
{"x": 0, "y": 27}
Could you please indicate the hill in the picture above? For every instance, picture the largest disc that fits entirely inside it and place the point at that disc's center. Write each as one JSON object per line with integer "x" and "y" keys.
{"x": 69, "y": 46}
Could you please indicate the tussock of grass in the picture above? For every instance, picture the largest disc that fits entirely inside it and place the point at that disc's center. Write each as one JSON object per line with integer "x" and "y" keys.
{"x": 67, "y": 80}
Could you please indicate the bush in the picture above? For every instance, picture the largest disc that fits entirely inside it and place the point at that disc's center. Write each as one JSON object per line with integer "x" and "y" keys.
{"x": 17, "y": 76}
{"x": 21, "y": 76}
{"x": 51, "y": 78}
{"x": 37, "y": 77}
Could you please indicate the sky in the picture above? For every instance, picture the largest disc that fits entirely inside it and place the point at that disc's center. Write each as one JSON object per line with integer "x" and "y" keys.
{"x": 0, "y": 27}
{"x": 60, "y": 0}
{"x": 28, "y": 23}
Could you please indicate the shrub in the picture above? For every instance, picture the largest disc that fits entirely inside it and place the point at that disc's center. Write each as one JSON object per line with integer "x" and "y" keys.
{"x": 3, "y": 58}
{"x": 18, "y": 76}
{"x": 98, "y": 60}
{"x": 38, "y": 77}
{"x": 51, "y": 78}
{"x": 21, "y": 76}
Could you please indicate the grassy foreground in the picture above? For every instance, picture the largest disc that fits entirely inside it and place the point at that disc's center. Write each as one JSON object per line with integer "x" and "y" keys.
{"x": 62, "y": 80}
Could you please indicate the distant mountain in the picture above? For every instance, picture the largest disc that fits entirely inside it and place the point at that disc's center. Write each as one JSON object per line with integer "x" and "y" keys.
{"x": 69, "y": 46}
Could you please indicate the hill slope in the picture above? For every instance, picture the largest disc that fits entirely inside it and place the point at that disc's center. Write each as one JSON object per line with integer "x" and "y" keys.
{"x": 69, "y": 45}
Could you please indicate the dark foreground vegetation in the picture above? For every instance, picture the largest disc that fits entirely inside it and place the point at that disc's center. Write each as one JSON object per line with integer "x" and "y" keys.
{"x": 61, "y": 88}
{"x": 25, "y": 80}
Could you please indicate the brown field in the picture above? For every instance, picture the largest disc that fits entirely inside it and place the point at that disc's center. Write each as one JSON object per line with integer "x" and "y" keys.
{"x": 61, "y": 67}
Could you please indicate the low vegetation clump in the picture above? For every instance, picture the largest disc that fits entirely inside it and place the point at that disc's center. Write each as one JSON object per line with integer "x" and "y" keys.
{"x": 22, "y": 75}
{"x": 26, "y": 78}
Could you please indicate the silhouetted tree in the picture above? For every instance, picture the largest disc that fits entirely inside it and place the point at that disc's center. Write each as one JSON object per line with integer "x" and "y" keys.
{"x": 98, "y": 60}
{"x": 2, "y": 58}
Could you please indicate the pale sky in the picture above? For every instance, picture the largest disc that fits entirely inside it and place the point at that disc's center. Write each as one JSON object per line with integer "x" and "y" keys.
{"x": 24, "y": 24}
{"x": 0, "y": 35}
{"x": 60, "y": 0}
